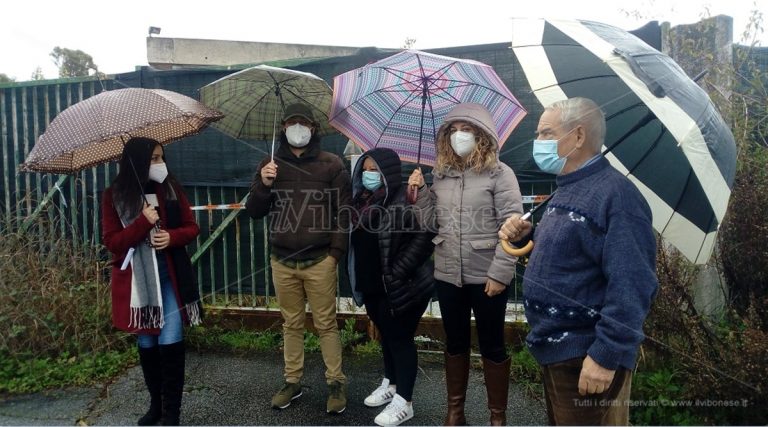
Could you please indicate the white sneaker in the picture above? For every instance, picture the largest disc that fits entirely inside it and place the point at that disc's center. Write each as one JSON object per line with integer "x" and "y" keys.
{"x": 396, "y": 413}
{"x": 383, "y": 394}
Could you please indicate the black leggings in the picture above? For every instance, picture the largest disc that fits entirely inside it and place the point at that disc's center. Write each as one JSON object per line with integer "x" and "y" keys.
{"x": 456, "y": 307}
{"x": 397, "y": 346}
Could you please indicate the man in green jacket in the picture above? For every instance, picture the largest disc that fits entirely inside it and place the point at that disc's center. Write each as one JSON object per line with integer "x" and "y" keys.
{"x": 306, "y": 192}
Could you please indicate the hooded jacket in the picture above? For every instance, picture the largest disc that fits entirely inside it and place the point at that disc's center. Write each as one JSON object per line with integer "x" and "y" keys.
{"x": 468, "y": 208}
{"x": 405, "y": 246}
{"x": 308, "y": 203}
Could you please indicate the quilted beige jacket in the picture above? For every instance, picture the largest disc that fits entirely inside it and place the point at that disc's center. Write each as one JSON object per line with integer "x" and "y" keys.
{"x": 468, "y": 209}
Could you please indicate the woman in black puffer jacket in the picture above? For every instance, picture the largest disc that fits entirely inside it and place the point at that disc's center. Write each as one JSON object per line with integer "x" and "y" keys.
{"x": 391, "y": 273}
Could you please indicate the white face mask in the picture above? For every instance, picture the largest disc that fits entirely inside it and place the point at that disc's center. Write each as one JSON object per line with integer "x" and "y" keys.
{"x": 298, "y": 135}
{"x": 158, "y": 172}
{"x": 463, "y": 143}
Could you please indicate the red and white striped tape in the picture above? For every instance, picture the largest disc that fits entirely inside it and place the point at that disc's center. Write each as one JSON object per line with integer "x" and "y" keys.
{"x": 537, "y": 198}
{"x": 224, "y": 207}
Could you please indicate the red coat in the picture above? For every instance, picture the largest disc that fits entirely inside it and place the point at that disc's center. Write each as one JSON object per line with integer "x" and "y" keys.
{"x": 118, "y": 240}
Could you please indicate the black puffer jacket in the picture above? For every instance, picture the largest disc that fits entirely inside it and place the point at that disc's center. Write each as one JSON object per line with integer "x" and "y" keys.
{"x": 405, "y": 247}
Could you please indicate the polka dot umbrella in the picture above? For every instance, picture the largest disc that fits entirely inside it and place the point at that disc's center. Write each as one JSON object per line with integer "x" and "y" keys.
{"x": 93, "y": 131}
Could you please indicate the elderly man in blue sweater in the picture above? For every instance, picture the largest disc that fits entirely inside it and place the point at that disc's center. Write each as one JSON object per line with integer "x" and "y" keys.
{"x": 591, "y": 277}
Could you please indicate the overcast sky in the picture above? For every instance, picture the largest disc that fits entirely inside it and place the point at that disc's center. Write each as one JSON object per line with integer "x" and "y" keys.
{"x": 114, "y": 33}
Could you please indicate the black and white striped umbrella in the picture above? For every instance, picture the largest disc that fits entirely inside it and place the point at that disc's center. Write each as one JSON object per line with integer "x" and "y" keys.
{"x": 664, "y": 133}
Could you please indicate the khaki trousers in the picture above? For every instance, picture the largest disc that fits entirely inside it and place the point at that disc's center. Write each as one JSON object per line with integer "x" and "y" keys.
{"x": 317, "y": 285}
{"x": 565, "y": 406}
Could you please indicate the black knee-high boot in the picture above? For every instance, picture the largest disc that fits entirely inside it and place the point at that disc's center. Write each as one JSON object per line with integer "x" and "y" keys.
{"x": 172, "y": 356}
{"x": 150, "y": 366}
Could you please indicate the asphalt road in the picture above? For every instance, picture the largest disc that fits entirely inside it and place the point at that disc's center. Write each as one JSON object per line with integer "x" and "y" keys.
{"x": 225, "y": 389}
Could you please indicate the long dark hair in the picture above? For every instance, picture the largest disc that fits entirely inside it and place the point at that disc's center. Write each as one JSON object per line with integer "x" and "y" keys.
{"x": 126, "y": 188}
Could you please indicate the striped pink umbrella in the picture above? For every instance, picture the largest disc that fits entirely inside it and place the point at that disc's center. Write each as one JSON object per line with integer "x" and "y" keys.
{"x": 399, "y": 102}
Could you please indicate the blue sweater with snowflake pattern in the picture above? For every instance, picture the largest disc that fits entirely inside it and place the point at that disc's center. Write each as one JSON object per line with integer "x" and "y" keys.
{"x": 591, "y": 277}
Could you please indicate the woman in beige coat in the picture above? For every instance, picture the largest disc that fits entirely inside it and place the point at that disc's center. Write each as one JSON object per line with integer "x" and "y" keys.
{"x": 472, "y": 194}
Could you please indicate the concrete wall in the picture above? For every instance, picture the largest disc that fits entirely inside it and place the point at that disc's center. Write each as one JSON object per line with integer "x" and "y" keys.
{"x": 705, "y": 45}
{"x": 170, "y": 53}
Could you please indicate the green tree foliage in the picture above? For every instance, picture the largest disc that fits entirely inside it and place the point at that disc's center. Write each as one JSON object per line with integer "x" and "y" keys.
{"x": 743, "y": 241}
{"x": 72, "y": 63}
{"x": 38, "y": 74}
{"x": 5, "y": 79}
{"x": 717, "y": 362}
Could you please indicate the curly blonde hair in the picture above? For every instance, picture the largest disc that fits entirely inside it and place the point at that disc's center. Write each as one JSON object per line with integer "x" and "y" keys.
{"x": 483, "y": 157}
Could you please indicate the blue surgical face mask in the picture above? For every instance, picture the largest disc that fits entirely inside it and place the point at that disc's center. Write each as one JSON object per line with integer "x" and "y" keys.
{"x": 546, "y": 157}
{"x": 372, "y": 180}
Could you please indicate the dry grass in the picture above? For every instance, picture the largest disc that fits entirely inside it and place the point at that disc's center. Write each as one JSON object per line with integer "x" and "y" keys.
{"x": 54, "y": 296}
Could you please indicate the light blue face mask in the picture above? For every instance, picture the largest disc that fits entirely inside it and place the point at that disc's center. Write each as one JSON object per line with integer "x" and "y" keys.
{"x": 546, "y": 157}
{"x": 372, "y": 180}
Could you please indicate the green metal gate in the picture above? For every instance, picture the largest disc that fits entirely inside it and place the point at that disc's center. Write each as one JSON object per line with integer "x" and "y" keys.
{"x": 231, "y": 253}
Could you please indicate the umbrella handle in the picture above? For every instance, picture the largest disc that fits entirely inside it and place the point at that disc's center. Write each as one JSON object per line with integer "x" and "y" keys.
{"x": 274, "y": 130}
{"x": 514, "y": 251}
{"x": 411, "y": 194}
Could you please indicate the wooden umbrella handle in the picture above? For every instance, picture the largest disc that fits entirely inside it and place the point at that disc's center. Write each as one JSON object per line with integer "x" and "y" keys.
{"x": 510, "y": 249}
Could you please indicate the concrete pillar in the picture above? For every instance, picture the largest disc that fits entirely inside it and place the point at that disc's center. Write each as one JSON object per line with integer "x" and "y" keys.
{"x": 706, "y": 45}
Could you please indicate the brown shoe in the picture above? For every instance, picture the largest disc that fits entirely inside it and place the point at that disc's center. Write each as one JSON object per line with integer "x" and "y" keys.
{"x": 497, "y": 387}
{"x": 456, "y": 377}
{"x": 337, "y": 398}
{"x": 287, "y": 394}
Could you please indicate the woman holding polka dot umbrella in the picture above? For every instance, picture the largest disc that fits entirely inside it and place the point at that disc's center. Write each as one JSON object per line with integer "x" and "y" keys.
{"x": 153, "y": 287}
